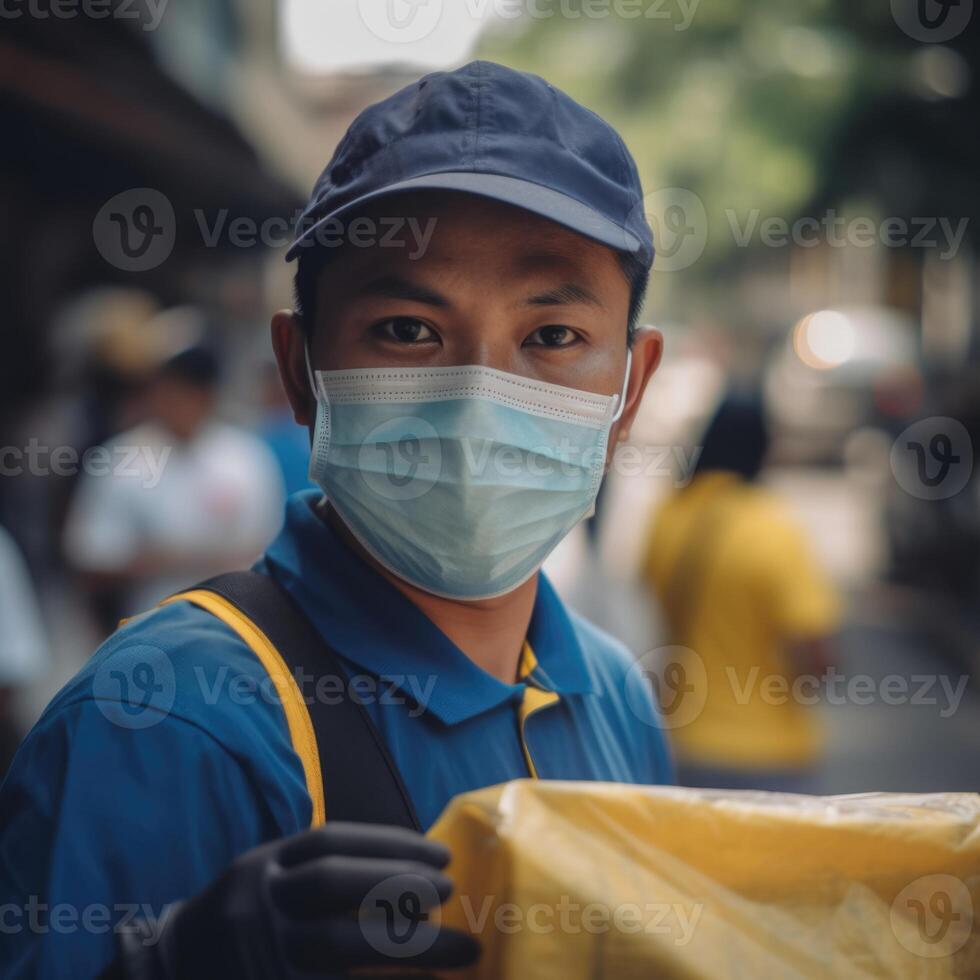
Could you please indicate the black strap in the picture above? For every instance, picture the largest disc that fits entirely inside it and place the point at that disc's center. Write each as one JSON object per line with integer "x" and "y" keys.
{"x": 360, "y": 779}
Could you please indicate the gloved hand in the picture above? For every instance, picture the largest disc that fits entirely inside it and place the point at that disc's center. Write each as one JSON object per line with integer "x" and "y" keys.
{"x": 318, "y": 903}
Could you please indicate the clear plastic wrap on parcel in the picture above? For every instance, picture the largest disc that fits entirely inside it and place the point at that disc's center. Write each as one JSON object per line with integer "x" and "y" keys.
{"x": 588, "y": 880}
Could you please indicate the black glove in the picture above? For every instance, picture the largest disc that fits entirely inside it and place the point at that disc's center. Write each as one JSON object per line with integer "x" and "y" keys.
{"x": 318, "y": 903}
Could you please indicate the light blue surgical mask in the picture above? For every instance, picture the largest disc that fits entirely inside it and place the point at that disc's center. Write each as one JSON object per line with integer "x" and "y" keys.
{"x": 459, "y": 480}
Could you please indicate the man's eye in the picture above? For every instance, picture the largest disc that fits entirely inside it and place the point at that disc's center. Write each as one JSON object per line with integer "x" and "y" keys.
{"x": 406, "y": 330}
{"x": 552, "y": 336}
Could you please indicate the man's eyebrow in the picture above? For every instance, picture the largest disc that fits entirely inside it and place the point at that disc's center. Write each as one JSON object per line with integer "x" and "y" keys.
{"x": 566, "y": 293}
{"x": 394, "y": 287}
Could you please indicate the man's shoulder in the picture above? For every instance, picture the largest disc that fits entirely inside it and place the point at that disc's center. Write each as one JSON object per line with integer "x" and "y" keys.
{"x": 615, "y": 671}
{"x": 177, "y": 663}
{"x": 625, "y": 699}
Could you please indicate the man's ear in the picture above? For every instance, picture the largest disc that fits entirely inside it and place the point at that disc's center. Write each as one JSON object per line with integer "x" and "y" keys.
{"x": 289, "y": 344}
{"x": 648, "y": 348}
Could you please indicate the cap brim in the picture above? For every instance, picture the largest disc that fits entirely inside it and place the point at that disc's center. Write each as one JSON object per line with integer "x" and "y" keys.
{"x": 540, "y": 200}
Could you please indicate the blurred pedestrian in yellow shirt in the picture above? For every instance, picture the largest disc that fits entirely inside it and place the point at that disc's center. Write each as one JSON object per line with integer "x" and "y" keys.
{"x": 741, "y": 590}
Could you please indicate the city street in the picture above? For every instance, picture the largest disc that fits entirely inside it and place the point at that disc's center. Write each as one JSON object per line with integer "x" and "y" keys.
{"x": 900, "y": 714}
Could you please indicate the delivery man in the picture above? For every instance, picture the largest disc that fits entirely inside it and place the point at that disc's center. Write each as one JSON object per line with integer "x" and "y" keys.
{"x": 239, "y": 770}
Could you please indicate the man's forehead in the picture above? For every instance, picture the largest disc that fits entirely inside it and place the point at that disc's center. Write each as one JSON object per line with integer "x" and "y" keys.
{"x": 526, "y": 265}
{"x": 501, "y": 239}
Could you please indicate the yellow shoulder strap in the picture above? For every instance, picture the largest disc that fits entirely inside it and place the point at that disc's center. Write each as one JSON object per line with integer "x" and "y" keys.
{"x": 297, "y": 716}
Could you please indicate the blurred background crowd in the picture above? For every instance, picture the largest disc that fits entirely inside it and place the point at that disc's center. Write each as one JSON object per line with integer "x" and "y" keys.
{"x": 799, "y": 499}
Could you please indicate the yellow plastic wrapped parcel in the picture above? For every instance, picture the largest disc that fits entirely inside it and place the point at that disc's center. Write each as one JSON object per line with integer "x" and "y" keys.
{"x": 588, "y": 880}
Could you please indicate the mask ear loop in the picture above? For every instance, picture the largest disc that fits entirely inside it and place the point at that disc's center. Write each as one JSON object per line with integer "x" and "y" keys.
{"x": 626, "y": 383}
{"x": 309, "y": 373}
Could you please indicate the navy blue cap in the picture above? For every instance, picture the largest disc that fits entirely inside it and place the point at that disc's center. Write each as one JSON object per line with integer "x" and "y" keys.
{"x": 495, "y": 132}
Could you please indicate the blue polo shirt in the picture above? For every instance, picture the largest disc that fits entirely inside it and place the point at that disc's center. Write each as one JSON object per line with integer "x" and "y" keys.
{"x": 168, "y": 755}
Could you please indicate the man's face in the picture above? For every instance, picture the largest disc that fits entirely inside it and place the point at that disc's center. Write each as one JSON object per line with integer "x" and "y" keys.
{"x": 494, "y": 286}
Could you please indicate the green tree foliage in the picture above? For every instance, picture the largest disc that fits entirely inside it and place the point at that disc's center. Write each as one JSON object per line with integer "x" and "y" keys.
{"x": 750, "y": 104}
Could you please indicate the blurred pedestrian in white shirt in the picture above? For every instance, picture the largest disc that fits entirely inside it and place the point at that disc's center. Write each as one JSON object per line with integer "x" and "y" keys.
{"x": 180, "y": 496}
{"x": 23, "y": 644}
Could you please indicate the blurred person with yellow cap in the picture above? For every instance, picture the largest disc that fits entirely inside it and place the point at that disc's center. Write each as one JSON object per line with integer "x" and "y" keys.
{"x": 744, "y": 597}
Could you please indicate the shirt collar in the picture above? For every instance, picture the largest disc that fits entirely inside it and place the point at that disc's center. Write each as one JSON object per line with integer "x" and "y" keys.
{"x": 378, "y": 629}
